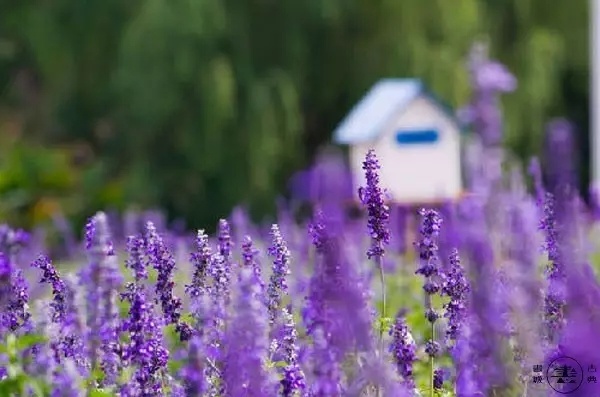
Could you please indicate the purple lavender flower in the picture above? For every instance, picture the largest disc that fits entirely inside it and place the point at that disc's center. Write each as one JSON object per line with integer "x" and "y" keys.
{"x": 560, "y": 153}
{"x": 293, "y": 378}
{"x": 278, "y": 287}
{"x": 327, "y": 374}
{"x": 194, "y": 378}
{"x": 101, "y": 280}
{"x": 428, "y": 254}
{"x": 14, "y": 297}
{"x": 5, "y": 280}
{"x": 135, "y": 259}
{"x": 225, "y": 242}
{"x": 403, "y": 349}
{"x": 11, "y": 240}
{"x": 17, "y": 312}
{"x": 470, "y": 377}
{"x": 145, "y": 348}
{"x": 440, "y": 375}
{"x": 379, "y": 373}
{"x": 67, "y": 382}
{"x": 456, "y": 287}
{"x": 427, "y": 247}
{"x": 249, "y": 254}
{"x": 50, "y": 276}
{"x": 201, "y": 261}
{"x": 219, "y": 295}
{"x": 554, "y": 300}
{"x": 535, "y": 170}
{"x": 246, "y": 346}
{"x": 372, "y": 196}
{"x": 338, "y": 299}
{"x": 487, "y": 304}
{"x": 64, "y": 314}
{"x": 220, "y": 287}
{"x": 164, "y": 262}
{"x": 488, "y": 79}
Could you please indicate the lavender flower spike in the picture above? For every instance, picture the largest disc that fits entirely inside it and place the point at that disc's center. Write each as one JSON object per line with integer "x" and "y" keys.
{"x": 14, "y": 297}
{"x": 281, "y": 268}
{"x": 428, "y": 254}
{"x": 164, "y": 262}
{"x": 50, "y": 276}
{"x": 145, "y": 349}
{"x": 225, "y": 242}
{"x": 201, "y": 261}
{"x": 293, "y": 379}
{"x": 250, "y": 256}
{"x": 135, "y": 260}
{"x": 403, "y": 350}
{"x": 102, "y": 279}
{"x": 372, "y": 196}
{"x": 456, "y": 287}
{"x": 555, "y": 298}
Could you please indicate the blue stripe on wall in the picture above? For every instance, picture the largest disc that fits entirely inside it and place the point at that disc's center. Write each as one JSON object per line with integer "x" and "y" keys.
{"x": 415, "y": 137}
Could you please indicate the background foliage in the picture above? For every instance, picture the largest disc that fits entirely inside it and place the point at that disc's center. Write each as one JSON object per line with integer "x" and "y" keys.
{"x": 197, "y": 105}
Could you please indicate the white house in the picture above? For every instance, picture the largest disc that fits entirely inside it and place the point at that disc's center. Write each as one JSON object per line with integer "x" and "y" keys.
{"x": 415, "y": 136}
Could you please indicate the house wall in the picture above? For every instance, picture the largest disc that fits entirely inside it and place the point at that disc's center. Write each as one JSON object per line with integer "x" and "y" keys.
{"x": 419, "y": 172}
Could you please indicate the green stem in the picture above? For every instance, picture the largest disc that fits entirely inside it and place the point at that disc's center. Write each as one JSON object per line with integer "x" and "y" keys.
{"x": 383, "y": 301}
{"x": 383, "y": 311}
{"x": 432, "y": 364}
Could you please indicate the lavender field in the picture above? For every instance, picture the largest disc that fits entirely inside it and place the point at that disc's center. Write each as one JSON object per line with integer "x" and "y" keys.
{"x": 495, "y": 286}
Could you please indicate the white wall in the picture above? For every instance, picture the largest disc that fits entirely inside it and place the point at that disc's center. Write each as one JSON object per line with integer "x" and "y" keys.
{"x": 415, "y": 173}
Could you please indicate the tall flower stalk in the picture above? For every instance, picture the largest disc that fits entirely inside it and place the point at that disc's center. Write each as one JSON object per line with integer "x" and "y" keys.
{"x": 277, "y": 288}
{"x": 429, "y": 269}
{"x": 101, "y": 279}
{"x": 164, "y": 262}
{"x": 378, "y": 213}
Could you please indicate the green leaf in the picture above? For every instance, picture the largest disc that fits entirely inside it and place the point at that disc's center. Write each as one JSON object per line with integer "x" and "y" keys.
{"x": 101, "y": 393}
{"x": 29, "y": 340}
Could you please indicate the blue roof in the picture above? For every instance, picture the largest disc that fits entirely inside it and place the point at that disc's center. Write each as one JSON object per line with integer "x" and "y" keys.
{"x": 386, "y": 97}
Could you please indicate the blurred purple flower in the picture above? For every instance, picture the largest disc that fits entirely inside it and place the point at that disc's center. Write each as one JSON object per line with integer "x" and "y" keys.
{"x": 327, "y": 374}
{"x": 246, "y": 345}
{"x": 560, "y": 152}
{"x": 488, "y": 79}
{"x": 194, "y": 377}
{"x": 327, "y": 183}
{"x": 338, "y": 296}
{"x": 12, "y": 240}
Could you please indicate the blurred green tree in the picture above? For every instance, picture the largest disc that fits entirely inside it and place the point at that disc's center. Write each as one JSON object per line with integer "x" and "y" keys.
{"x": 197, "y": 105}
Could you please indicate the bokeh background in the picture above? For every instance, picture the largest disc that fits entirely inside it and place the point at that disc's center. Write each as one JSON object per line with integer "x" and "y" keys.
{"x": 196, "y": 106}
